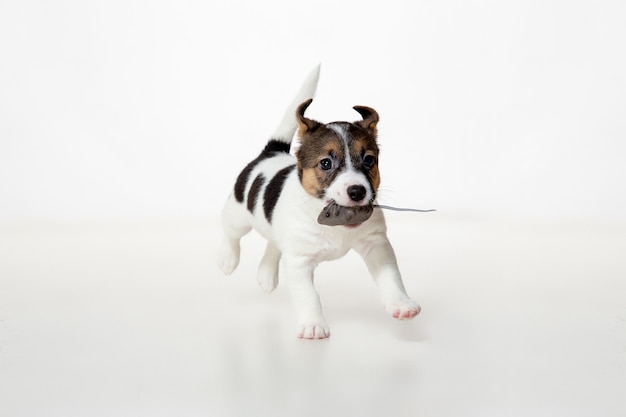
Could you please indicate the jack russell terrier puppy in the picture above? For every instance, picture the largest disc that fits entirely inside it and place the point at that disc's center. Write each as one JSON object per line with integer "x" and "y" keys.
{"x": 314, "y": 207}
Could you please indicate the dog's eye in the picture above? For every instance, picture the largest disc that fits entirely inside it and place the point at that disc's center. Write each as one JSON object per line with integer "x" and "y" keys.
{"x": 326, "y": 164}
{"x": 369, "y": 161}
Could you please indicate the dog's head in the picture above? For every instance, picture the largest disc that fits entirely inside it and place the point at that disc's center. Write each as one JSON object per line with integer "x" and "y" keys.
{"x": 338, "y": 161}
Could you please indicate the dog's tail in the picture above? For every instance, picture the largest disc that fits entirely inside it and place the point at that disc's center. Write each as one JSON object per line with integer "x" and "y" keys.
{"x": 287, "y": 127}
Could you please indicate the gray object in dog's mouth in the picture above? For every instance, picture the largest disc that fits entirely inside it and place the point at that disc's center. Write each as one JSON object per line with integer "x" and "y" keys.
{"x": 335, "y": 215}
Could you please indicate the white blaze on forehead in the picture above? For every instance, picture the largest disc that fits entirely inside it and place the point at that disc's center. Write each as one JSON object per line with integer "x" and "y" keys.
{"x": 340, "y": 130}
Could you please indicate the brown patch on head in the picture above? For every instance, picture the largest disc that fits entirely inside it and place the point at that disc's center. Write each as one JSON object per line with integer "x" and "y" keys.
{"x": 320, "y": 156}
{"x": 310, "y": 181}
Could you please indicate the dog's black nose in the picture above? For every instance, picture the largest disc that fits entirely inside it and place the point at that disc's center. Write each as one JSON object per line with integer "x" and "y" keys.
{"x": 356, "y": 192}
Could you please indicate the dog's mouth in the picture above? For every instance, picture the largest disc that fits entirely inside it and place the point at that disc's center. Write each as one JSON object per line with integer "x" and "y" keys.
{"x": 335, "y": 215}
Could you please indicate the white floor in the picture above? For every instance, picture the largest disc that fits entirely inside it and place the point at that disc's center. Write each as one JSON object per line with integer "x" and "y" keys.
{"x": 519, "y": 319}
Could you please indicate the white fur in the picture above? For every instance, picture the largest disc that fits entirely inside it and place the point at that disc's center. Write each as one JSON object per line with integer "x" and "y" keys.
{"x": 287, "y": 126}
{"x": 299, "y": 243}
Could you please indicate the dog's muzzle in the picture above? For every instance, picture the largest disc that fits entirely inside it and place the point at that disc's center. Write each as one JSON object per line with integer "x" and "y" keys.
{"x": 335, "y": 215}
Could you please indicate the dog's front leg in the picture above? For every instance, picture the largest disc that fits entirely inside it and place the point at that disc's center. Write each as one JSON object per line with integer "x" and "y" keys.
{"x": 298, "y": 271}
{"x": 382, "y": 264}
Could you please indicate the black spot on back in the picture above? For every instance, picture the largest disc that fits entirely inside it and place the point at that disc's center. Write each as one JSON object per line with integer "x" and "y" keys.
{"x": 277, "y": 146}
{"x": 273, "y": 190}
{"x": 253, "y": 194}
{"x": 272, "y": 148}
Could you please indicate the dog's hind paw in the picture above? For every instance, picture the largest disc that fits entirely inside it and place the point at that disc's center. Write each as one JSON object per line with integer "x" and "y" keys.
{"x": 267, "y": 276}
{"x": 313, "y": 331}
{"x": 267, "y": 279}
{"x": 228, "y": 258}
{"x": 403, "y": 309}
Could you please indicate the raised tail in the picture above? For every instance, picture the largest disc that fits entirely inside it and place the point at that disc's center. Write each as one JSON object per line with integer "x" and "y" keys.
{"x": 287, "y": 127}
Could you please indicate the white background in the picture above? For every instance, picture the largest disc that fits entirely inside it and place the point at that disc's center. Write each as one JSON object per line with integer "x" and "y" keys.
{"x": 123, "y": 125}
{"x": 116, "y": 109}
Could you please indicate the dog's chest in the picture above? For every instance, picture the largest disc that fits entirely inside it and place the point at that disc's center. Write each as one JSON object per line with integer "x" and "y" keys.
{"x": 330, "y": 246}
{"x": 318, "y": 243}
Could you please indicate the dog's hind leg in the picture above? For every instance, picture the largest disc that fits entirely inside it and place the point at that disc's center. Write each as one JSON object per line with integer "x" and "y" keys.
{"x": 236, "y": 224}
{"x": 267, "y": 276}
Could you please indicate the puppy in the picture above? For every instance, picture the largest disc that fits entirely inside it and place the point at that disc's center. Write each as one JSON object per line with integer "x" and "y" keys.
{"x": 282, "y": 196}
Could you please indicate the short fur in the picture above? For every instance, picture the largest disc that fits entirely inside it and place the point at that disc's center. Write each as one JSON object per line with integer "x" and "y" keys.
{"x": 281, "y": 197}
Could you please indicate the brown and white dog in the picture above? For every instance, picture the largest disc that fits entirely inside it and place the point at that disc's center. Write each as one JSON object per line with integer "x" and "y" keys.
{"x": 281, "y": 196}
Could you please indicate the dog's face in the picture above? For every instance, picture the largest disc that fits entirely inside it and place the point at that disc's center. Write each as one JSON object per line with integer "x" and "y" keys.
{"x": 339, "y": 161}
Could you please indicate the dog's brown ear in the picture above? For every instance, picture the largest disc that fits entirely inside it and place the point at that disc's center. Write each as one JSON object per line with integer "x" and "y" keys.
{"x": 306, "y": 125}
{"x": 370, "y": 118}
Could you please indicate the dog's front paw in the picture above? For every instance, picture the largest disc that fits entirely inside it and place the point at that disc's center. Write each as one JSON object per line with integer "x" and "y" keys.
{"x": 404, "y": 309}
{"x": 313, "y": 331}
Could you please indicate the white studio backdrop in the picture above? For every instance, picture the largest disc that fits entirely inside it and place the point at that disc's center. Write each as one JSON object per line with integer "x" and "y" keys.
{"x": 149, "y": 109}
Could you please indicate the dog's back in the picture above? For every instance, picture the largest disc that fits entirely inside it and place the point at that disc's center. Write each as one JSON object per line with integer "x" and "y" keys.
{"x": 261, "y": 181}
{"x": 260, "y": 184}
